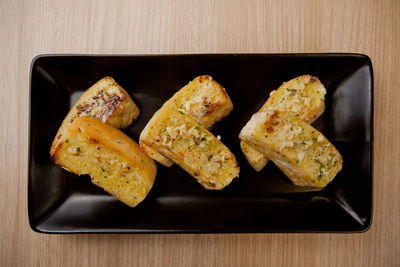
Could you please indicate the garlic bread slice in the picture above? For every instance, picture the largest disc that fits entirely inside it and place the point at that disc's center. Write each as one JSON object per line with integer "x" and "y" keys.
{"x": 191, "y": 146}
{"x": 113, "y": 160}
{"x": 202, "y": 99}
{"x": 105, "y": 100}
{"x": 304, "y": 96}
{"x": 298, "y": 149}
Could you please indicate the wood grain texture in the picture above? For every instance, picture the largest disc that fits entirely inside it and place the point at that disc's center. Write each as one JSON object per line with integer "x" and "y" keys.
{"x": 28, "y": 28}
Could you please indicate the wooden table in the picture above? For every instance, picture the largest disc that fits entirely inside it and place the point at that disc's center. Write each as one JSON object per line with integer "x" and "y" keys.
{"x": 28, "y": 28}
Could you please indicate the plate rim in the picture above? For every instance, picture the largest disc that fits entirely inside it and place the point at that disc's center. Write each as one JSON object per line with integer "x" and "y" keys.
{"x": 35, "y": 227}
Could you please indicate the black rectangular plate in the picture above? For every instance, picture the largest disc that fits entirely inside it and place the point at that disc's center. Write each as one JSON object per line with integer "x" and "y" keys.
{"x": 61, "y": 202}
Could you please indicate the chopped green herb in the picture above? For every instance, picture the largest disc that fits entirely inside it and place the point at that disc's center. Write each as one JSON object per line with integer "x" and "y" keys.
{"x": 66, "y": 141}
{"x": 163, "y": 130}
{"x": 196, "y": 143}
{"x": 78, "y": 149}
{"x": 105, "y": 176}
{"x": 314, "y": 139}
{"x": 203, "y": 139}
{"x": 127, "y": 182}
{"x": 209, "y": 157}
{"x": 102, "y": 170}
{"x": 297, "y": 161}
{"x": 319, "y": 168}
{"x": 197, "y": 127}
{"x": 291, "y": 90}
